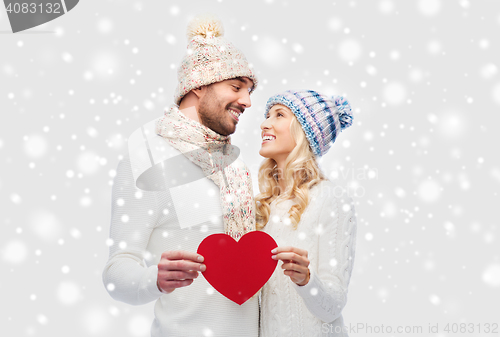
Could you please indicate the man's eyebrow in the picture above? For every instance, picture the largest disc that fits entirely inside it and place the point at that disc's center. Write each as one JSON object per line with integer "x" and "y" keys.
{"x": 244, "y": 81}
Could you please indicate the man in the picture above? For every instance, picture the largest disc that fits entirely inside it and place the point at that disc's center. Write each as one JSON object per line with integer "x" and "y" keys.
{"x": 155, "y": 234}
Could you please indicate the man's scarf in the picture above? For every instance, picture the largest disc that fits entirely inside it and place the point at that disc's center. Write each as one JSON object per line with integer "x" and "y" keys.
{"x": 214, "y": 154}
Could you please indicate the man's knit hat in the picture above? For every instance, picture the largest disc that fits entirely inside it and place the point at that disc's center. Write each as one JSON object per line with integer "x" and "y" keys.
{"x": 322, "y": 117}
{"x": 210, "y": 58}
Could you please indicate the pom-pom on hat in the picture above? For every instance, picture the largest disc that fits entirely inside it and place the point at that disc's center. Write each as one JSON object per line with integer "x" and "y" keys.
{"x": 210, "y": 57}
{"x": 322, "y": 117}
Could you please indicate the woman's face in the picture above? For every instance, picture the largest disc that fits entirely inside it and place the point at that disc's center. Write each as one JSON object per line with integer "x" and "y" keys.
{"x": 277, "y": 140}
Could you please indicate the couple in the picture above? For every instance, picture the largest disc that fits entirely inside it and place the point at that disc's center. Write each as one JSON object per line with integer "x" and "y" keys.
{"x": 153, "y": 256}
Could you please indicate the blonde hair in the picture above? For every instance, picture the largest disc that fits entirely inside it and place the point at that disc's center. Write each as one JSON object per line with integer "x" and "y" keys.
{"x": 301, "y": 172}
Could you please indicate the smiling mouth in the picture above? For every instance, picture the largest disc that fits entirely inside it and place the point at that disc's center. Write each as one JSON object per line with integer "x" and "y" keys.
{"x": 235, "y": 114}
{"x": 267, "y": 139}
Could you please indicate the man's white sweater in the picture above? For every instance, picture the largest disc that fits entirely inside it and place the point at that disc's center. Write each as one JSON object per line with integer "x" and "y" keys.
{"x": 144, "y": 224}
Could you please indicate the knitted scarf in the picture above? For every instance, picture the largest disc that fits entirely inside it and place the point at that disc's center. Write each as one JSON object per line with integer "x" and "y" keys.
{"x": 214, "y": 154}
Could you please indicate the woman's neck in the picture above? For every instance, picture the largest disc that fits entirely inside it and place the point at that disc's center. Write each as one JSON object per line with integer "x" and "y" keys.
{"x": 281, "y": 180}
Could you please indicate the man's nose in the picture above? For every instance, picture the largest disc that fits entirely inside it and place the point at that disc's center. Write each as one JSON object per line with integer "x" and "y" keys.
{"x": 245, "y": 100}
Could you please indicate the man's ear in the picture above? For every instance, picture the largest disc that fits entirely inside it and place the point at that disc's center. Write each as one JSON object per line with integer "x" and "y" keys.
{"x": 200, "y": 92}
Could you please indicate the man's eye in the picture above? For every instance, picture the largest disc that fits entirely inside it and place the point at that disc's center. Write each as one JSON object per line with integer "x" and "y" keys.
{"x": 280, "y": 114}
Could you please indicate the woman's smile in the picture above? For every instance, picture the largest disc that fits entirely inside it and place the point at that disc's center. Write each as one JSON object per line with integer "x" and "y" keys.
{"x": 277, "y": 140}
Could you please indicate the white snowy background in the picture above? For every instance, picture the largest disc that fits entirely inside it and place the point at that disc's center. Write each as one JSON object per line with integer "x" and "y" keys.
{"x": 421, "y": 159}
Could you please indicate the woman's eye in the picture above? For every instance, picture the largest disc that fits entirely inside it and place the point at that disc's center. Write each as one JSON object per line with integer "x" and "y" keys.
{"x": 235, "y": 87}
{"x": 280, "y": 114}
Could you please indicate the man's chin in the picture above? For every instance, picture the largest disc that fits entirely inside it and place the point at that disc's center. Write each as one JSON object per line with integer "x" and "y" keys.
{"x": 227, "y": 132}
{"x": 230, "y": 130}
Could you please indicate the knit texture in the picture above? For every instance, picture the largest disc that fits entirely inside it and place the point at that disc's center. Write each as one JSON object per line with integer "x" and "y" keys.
{"x": 213, "y": 153}
{"x": 144, "y": 224}
{"x": 322, "y": 117}
{"x": 210, "y": 58}
{"x": 327, "y": 230}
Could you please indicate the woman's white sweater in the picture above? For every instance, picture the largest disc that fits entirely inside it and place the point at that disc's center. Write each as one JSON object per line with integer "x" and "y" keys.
{"x": 327, "y": 230}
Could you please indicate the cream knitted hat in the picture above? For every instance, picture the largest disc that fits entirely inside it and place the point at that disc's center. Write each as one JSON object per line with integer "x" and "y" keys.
{"x": 210, "y": 58}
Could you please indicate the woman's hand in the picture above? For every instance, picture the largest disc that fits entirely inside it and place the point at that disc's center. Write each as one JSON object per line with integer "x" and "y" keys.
{"x": 295, "y": 263}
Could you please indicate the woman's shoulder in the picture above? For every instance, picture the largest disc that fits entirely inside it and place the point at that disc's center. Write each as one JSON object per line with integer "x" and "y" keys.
{"x": 328, "y": 191}
{"x": 326, "y": 188}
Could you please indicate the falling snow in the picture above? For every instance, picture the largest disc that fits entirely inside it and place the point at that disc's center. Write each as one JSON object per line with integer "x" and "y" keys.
{"x": 420, "y": 160}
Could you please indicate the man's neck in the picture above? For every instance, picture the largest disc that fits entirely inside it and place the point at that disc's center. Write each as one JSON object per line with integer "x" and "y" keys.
{"x": 191, "y": 113}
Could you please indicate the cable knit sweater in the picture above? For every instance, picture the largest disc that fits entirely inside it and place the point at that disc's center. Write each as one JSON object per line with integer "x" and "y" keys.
{"x": 143, "y": 226}
{"x": 327, "y": 230}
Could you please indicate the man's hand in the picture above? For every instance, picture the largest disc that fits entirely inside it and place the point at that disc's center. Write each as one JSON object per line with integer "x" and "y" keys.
{"x": 178, "y": 269}
{"x": 295, "y": 263}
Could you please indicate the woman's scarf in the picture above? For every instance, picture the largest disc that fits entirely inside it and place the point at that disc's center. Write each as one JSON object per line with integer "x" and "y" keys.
{"x": 214, "y": 154}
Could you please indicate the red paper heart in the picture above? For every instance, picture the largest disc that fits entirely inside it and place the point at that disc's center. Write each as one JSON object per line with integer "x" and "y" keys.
{"x": 238, "y": 269}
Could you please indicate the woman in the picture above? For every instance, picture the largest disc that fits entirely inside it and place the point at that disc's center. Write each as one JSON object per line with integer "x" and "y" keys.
{"x": 314, "y": 228}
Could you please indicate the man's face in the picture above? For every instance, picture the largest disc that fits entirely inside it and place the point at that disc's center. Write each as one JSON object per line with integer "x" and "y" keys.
{"x": 222, "y": 104}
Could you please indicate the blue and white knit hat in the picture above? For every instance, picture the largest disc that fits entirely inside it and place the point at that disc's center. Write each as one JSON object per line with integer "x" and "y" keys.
{"x": 322, "y": 117}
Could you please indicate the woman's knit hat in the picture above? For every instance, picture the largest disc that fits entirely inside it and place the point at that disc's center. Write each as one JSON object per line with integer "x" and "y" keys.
{"x": 210, "y": 57}
{"x": 322, "y": 117}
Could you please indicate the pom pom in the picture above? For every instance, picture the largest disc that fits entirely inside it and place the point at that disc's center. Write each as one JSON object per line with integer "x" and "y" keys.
{"x": 206, "y": 26}
{"x": 345, "y": 111}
